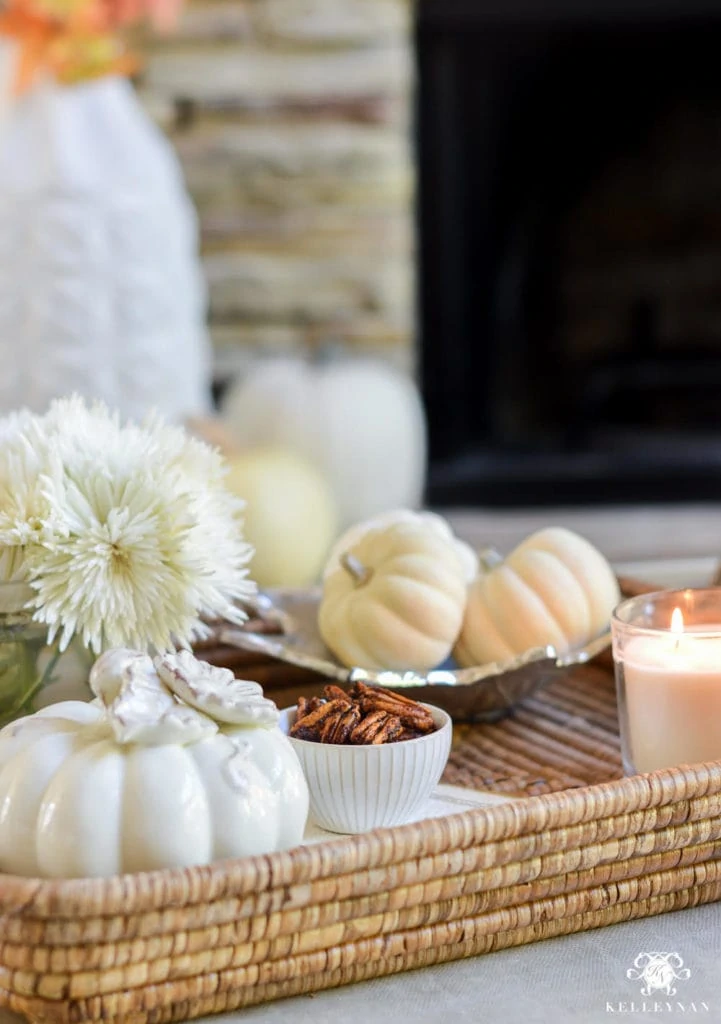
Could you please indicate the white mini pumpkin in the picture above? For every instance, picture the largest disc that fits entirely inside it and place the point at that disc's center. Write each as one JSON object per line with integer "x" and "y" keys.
{"x": 395, "y": 600}
{"x": 359, "y": 420}
{"x": 93, "y": 790}
{"x": 555, "y": 589}
{"x": 380, "y": 522}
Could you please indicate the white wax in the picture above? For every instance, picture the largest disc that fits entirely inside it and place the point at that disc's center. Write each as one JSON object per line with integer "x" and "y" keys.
{"x": 673, "y": 696}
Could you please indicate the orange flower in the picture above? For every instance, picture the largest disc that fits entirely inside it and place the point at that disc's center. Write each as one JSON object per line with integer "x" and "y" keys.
{"x": 35, "y": 37}
{"x": 74, "y": 39}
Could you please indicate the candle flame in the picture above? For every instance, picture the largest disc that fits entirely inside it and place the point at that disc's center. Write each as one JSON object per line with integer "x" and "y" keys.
{"x": 677, "y": 621}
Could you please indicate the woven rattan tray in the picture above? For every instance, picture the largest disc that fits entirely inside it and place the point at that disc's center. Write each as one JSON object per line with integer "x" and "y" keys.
{"x": 592, "y": 849}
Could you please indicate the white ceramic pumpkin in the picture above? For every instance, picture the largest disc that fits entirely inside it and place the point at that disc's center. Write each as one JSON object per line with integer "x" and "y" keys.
{"x": 290, "y": 515}
{"x": 139, "y": 781}
{"x": 395, "y": 599}
{"x": 360, "y": 421}
{"x": 430, "y": 520}
{"x": 554, "y": 589}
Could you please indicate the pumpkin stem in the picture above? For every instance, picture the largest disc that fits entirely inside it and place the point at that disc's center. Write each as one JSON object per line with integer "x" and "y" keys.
{"x": 489, "y": 558}
{"x": 360, "y": 573}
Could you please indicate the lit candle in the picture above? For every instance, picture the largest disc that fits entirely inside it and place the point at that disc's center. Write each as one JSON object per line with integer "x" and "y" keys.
{"x": 670, "y": 681}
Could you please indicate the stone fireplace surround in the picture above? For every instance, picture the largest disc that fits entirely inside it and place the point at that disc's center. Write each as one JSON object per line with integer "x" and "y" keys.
{"x": 291, "y": 120}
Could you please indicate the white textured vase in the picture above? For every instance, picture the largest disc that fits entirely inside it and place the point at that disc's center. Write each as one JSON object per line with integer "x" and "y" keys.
{"x": 101, "y": 291}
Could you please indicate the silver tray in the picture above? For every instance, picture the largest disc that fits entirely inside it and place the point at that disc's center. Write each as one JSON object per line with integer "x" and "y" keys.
{"x": 482, "y": 693}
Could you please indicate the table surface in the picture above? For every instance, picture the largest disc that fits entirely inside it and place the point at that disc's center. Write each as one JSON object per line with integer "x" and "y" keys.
{"x": 623, "y": 533}
{"x": 576, "y": 977}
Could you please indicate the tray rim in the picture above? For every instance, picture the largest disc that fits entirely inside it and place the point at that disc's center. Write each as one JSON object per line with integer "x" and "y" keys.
{"x": 147, "y": 892}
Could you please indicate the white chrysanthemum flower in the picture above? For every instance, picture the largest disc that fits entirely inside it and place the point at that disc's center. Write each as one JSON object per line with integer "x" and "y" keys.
{"x": 24, "y": 509}
{"x": 139, "y": 540}
{"x": 218, "y": 519}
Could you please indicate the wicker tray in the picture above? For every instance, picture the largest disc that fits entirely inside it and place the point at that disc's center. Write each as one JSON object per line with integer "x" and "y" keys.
{"x": 591, "y": 850}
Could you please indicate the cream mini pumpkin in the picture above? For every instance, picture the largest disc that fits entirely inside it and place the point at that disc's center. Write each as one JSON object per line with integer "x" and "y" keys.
{"x": 394, "y": 599}
{"x": 290, "y": 515}
{"x": 139, "y": 780}
{"x": 555, "y": 589}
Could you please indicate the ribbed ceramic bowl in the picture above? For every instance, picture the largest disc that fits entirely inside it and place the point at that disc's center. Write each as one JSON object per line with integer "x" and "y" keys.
{"x": 356, "y": 789}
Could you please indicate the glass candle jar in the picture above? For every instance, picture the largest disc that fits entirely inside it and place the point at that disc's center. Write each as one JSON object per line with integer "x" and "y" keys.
{"x": 667, "y": 656}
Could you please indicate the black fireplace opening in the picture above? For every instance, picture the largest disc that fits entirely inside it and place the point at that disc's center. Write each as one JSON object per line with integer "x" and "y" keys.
{"x": 570, "y": 251}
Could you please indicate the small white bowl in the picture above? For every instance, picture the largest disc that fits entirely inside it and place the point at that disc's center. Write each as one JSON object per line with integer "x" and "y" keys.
{"x": 356, "y": 789}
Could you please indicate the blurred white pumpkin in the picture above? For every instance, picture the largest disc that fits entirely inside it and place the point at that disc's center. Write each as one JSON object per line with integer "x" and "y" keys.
{"x": 554, "y": 589}
{"x": 359, "y": 420}
{"x": 290, "y": 515}
{"x": 101, "y": 290}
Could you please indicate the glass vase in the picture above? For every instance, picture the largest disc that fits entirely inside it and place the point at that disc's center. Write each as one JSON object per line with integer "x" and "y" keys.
{"x": 32, "y": 673}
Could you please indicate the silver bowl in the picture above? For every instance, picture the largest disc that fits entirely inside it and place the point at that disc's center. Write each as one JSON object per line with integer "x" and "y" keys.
{"x": 482, "y": 693}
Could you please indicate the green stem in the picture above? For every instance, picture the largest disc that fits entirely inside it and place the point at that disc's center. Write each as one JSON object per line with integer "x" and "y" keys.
{"x": 25, "y": 699}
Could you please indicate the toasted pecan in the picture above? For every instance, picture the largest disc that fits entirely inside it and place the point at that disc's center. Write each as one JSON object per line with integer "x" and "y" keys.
{"x": 310, "y": 726}
{"x": 346, "y": 722}
{"x": 326, "y": 728}
{"x": 333, "y": 692}
{"x": 413, "y": 716}
{"x": 408, "y": 734}
{"x": 306, "y": 705}
{"x": 364, "y": 690}
{"x": 392, "y": 730}
{"x": 410, "y": 712}
{"x": 367, "y": 727}
{"x": 377, "y": 727}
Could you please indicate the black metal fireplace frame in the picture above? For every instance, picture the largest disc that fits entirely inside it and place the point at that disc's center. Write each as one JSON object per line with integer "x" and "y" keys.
{"x": 468, "y": 464}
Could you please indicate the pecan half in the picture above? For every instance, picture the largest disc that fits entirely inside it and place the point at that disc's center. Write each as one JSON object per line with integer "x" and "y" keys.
{"x": 328, "y": 726}
{"x": 410, "y": 712}
{"x": 311, "y": 725}
{"x": 364, "y": 690}
{"x": 306, "y": 705}
{"x": 377, "y": 727}
{"x": 415, "y": 717}
{"x": 346, "y": 723}
{"x": 409, "y": 734}
{"x": 333, "y": 692}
